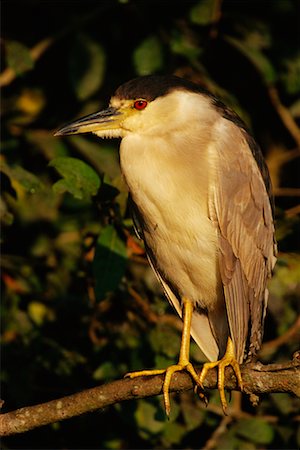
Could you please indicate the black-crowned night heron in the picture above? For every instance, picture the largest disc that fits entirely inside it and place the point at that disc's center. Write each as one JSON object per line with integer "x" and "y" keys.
{"x": 202, "y": 203}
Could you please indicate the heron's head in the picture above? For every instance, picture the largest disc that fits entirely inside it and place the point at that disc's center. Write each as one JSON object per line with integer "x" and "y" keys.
{"x": 151, "y": 105}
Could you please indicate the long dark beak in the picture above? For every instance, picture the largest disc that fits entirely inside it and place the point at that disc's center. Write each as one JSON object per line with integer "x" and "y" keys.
{"x": 108, "y": 119}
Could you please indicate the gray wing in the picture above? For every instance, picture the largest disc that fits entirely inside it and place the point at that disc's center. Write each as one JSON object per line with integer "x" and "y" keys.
{"x": 240, "y": 207}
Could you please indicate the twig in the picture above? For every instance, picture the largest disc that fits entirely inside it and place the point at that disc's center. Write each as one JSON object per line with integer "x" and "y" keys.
{"x": 8, "y": 75}
{"x": 284, "y": 114}
{"x": 219, "y": 431}
{"x": 216, "y": 17}
{"x": 143, "y": 306}
{"x": 291, "y": 333}
{"x": 234, "y": 412}
{"x": 277, "y": 156}
{"x": 286, "y": 192}
{"x": 255, "y": 380}
{"x": 151, "y": 316}
{"x": 291, "y": 212}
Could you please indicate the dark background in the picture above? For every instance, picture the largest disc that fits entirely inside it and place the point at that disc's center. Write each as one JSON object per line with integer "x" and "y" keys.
{"x": 81, "y": 306}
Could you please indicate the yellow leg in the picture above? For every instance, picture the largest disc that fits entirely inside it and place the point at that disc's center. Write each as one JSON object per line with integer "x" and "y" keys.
{"x": 227, "y": 360}
{"x": 183, "y": 363}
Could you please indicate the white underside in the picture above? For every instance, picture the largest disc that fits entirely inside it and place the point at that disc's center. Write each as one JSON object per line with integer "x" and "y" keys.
{"x": 178, "y": 230}
{"x": 174, "y": 207}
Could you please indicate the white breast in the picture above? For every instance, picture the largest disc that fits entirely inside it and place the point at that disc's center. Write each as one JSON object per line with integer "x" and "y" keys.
{"x": 174, "y": 206}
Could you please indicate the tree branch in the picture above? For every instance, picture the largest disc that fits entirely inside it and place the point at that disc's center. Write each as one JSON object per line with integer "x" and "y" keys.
{"x": 284, "y": 114}
{"x": 258, "y": 379}
{"x": 292, "y": 334}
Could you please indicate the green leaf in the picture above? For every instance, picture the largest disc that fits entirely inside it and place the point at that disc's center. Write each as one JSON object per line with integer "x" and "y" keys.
{"x": 295, "y": 109}
{"x": 286, "y": 276}
{"x": 193, "y": 416}
{"x": 28, "y": 197}
{"x": 196, "y": 353}
{"x": 6, "y": 217}
{"x": 257, "y": 58}
{"x": 203, "y": 12}
{"x": 259, "y": 37}
{"x": 18, "y": 57}
{"x": 102, "y": 155}
{"x": 161, "y": 361}
{"x": 228, "y": 440}
{"x": 173, "y": 432}
{"x": 22, "y": 180}
{"x": 148, "y": 420}
{"x": 291, "y": 75}
{"x": 87, "y": 66}
{"x": 50, "y": 146}
{"x": 148, "y": 56}
{"x": 182, "y": 44}
{"x": 107, "y": 370}
{"x": 39, "y": 313}
{"x": 284, "y": 403}
{"x": 110, "y": 261}
{"x": 79, "y": 179}
{"x": 255, "y": 430}
{"x": 165, "y": 340}
{"x": 114, "y": 443}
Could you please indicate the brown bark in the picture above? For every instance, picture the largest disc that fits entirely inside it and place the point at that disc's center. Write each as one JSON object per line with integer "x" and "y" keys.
{"x": 258, "y": 379}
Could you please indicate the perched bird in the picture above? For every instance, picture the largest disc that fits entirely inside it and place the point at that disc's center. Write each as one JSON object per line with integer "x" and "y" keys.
{"x": 202, "y": 204}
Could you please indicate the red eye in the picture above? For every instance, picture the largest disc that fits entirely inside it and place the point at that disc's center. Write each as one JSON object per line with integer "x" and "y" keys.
{"x": 140, "y": 104}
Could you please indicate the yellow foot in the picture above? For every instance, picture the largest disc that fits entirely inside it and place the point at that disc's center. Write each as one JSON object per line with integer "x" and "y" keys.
{"x": 227, "y": 360}
{"x": 183, "y": 363}
{"x": 167, "y": 381}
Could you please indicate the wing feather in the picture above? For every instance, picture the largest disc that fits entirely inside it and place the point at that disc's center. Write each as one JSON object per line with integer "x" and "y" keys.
{"x": 240, "y": 207}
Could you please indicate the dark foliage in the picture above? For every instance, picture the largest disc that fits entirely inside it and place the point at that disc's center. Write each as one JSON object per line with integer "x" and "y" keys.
{"x": 80, "y": 304}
